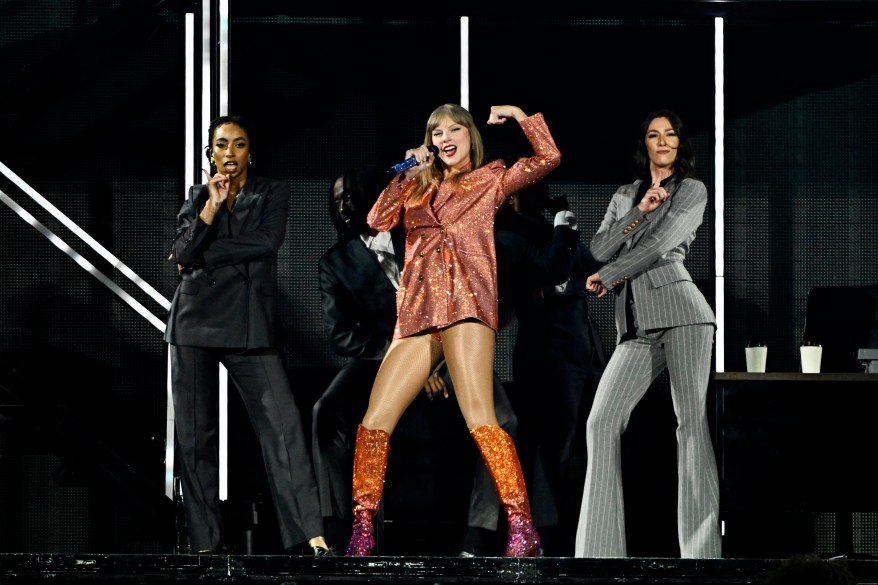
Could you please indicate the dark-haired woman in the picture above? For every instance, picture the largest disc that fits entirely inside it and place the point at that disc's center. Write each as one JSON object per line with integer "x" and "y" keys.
{"x": 228, "y": 234}
{"x": 663, "y": 321}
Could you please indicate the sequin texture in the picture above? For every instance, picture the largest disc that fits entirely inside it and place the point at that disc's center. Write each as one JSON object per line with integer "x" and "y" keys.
{"x": 450, "y": 271}
{"x": 370, "y": 467}
{"x": 501, "y": 458}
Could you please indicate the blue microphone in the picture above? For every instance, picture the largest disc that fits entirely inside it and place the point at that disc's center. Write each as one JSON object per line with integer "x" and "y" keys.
{"x": 412, "y": 161}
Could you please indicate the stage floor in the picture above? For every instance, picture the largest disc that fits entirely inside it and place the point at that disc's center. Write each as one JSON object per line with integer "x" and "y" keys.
{"x": 147, "y": 569}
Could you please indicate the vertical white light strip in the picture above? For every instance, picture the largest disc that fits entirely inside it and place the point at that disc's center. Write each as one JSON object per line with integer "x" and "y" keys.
{"x": 170, "y": 437}
{"x": 223, "y": 433}
{"x": 189, "y": 148}
{"x": 224, "y": 57}
{"x": 223, "y": 66}
{"x": 464, "y": 62}
{"x": 189, "y": 170}
{"x": 719, "y": 190}
{"x": 206, "y": 44}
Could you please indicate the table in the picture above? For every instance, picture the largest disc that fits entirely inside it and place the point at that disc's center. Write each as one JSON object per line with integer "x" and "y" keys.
{"x": 792, "y": 445}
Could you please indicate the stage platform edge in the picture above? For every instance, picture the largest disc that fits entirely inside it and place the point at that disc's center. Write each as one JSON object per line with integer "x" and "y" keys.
{"x": 20, "y": 568}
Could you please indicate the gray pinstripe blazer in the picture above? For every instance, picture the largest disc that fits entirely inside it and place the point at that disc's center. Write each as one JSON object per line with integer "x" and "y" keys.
{"x": 649, "y": 251}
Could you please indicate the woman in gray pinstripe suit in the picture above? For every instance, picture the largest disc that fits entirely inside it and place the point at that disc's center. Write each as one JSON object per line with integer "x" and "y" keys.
{"x": 663, "y": 321}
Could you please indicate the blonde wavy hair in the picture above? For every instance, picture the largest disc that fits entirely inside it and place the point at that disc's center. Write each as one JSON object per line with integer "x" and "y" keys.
{"x": 459, "y": 115}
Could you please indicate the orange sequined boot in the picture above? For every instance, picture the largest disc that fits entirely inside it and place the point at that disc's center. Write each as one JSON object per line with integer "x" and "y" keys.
{"x": 500, "y": 456}
{"x": 370, "y": 465}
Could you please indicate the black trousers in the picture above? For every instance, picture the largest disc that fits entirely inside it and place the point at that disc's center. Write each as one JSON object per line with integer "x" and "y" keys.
{"x": 262, "y": 382}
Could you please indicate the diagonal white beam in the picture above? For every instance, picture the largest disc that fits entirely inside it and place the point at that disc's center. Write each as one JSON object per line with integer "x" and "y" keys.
{"x": 95, "y": 245}
{"x": 88, "y": 266}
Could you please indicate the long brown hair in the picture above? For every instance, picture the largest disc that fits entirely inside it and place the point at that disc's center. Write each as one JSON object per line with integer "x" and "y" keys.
{"x": 684, "y": 165}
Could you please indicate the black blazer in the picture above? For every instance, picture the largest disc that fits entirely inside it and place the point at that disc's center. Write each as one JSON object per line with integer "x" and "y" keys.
{"x": 227, "y": 295}
{"x": 358, "y": 321}
{"x": 533, "y": 257}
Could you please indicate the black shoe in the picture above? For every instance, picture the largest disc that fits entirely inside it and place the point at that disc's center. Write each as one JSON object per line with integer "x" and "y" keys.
{"x": 220, "y": 550}
{"x": 475, "y": 543}
{"x": 322, "y": 551}
{"x": 337, "y": 532}
{"x": 307, "y": 550}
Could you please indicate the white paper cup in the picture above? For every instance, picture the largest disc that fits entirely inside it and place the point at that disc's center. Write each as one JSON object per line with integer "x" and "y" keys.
{"x": 811, "y": 356}
{"x": 756, "y": 356}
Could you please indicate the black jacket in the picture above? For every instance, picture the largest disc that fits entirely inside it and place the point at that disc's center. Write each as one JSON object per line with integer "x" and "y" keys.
{"x": 227, "y": 295}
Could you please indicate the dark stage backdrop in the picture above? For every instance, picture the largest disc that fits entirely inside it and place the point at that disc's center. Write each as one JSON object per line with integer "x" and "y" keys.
{"x": 91, "y": 115}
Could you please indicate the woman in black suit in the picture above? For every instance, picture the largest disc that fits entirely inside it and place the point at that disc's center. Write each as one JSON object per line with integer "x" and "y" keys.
{"x": 558, "y": 356}
{"x": 223, "y": 312}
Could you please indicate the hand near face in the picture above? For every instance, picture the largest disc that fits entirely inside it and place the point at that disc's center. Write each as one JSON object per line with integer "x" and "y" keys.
{"x": 425, "y": 159}
{"x": 217, "y": 186}
{"x": 656, "y": 194}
